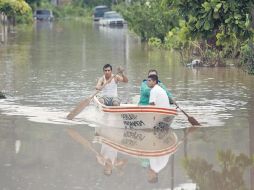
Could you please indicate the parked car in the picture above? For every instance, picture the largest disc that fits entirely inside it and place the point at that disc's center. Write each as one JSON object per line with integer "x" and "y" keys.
{"x": 43, "y": 14}
{"x": 112, "y": 18}
{"x": 99, "y": 11}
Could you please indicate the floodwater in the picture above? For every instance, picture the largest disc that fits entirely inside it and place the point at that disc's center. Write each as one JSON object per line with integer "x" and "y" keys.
{"x": 47, "y": 68}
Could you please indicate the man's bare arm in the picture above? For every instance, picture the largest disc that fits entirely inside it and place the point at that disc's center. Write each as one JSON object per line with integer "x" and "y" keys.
{"x": 99, "y": 84}
{"x": 122, "y": 78}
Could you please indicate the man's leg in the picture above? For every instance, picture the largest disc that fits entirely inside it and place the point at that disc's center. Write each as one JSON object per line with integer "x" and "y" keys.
{"x": 115, "y": 101}
{"x": 106, "y": 100}
{"x": 101, "y": 100}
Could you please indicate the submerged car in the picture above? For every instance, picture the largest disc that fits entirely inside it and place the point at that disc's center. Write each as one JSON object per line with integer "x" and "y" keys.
{"x": 43, "y": 14}
{"x": 99, "y": 11}
{"x": 112, "y": 18}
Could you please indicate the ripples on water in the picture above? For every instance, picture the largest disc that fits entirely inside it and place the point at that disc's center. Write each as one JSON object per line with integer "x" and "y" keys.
{"x": 210, "y": 113}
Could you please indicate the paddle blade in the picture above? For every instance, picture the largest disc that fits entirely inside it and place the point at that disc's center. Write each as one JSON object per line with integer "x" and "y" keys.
{"x": 81, "y": 105}
{"x": 193, "y": 121}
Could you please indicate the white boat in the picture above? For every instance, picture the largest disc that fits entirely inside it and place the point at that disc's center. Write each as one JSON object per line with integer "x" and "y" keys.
{"x": 133, "y": 116}
{"x": 144, "y": 143}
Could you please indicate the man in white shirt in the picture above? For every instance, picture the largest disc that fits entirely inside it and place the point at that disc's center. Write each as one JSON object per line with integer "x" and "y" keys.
{"x": 158, "y": 96}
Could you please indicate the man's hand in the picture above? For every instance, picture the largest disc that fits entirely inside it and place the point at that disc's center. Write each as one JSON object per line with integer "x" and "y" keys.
{"x": 172, "y": 101}
{"x": 120, "y": 70}
{"x": 122, "y": 77}
{"x": 99, "y": 88}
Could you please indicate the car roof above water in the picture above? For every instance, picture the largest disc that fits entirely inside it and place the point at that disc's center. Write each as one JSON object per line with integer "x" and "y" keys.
{"x": 43, "y": 11}
{"x": 112, "y": 14}
{"x": 100, "y": 7}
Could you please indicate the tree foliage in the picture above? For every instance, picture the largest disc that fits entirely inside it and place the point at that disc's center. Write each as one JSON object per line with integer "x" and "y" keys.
{"x": 14, "y": 7}
{"x": 247, "y": 57}
{"x": 218, "y": 21}
{"x": 150, "y": 18}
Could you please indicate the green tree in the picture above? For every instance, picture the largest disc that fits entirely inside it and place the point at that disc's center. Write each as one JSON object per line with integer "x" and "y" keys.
{"x": 218, "y": 28}
{"x": 14, "y": 7}
{"x": 150, "y": 18}
{"x": 217, "y": 21}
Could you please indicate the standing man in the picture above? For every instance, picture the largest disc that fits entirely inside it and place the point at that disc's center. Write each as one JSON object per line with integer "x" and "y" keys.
{"x": 158, "y": 96}
{"x": 109, "y": 91}
{"x": 145, "y": 90}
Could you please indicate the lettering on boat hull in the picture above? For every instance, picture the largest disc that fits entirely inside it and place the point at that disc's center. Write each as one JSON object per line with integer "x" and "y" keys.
{"x": 131, "y": 121}
{"x": 133, "y": 124}
{"x": 129, "y": 116}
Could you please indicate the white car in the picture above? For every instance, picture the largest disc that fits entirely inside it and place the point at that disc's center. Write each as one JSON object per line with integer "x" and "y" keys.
{"x": 112, "y": 18}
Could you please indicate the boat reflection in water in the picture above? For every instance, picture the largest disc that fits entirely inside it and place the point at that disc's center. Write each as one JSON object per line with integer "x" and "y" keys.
{"x": 153, "y": 146}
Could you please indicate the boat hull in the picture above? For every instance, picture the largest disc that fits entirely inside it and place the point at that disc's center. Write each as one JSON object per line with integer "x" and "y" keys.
{"x": 132, "y": 116}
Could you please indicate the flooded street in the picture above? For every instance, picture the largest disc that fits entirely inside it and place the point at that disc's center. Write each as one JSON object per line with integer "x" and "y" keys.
{"x": 47, "y": 68}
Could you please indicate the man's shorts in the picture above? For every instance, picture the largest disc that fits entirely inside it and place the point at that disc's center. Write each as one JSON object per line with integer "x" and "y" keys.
{"x": 108, "y": 101}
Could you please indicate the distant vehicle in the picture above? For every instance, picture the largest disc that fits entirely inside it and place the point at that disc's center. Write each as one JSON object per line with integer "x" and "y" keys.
{"x": 99, "y": 12}
{"x": 112, "y": 18}
{"x": 43, "y": 14}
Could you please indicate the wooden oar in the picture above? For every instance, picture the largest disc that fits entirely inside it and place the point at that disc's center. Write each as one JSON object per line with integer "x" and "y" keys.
{"x": 81, "y": 105}
{"x": 192, "y": 120}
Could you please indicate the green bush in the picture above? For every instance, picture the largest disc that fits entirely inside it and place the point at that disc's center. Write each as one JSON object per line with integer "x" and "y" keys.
{"x": 154, "y": 42}
{"x": 25, "y": 18}
{"x": 247, "y": 57}
{"x": 70, "y": 11}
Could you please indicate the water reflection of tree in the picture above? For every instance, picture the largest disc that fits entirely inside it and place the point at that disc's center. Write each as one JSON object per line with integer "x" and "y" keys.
{"x": 230, "y": 176}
